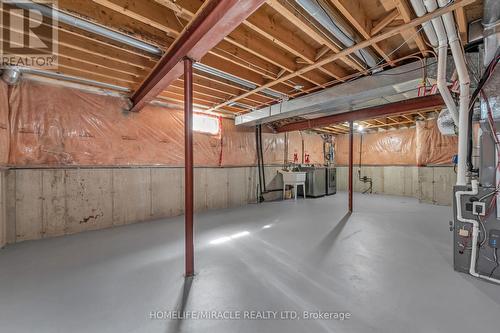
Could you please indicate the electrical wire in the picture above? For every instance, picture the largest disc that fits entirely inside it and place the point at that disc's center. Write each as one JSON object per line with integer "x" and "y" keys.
{"x": 495, "y": 256}
{"x": 343, "y": 32}
{"x": 408, "y": 71}
{"x": 380, "y": 64}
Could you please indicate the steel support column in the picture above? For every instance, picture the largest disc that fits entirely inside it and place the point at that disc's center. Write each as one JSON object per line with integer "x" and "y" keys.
{"x": 188, "y": 165}
{"x": 351, "y": 157}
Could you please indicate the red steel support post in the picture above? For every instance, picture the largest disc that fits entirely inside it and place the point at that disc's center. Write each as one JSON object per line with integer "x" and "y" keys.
{"x": 351, "y": 153}
{"x": 188, "y": 165}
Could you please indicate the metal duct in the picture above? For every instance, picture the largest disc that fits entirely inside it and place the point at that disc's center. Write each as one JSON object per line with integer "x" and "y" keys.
{"x": 335, "y": 25}
{"x": 445, "y": 123}
{"x": 11, "y": 76}
{"x": 393, "y": 85}
{"x": 244, "y": 83}
{"x": 127, "y": 40}
{"x": 420, "y": 10}
{"x": 491, "y": 23}
{"x": 89, "y": 26}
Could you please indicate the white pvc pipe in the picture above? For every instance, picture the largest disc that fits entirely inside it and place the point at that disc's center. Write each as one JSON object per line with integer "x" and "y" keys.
{"x": 437, "y": 23}
{"x": 420, "y": 10}
{"x": 463, "y": 78}
{"x": 475, "y": 231}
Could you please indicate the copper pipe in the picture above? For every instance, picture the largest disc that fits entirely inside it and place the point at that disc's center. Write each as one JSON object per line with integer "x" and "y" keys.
{"x": 188, "y": 165}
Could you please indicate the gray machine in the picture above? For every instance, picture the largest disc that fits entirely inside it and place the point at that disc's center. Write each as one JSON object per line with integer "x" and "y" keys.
{"x": 315, "y": 181}
{"x": 320, "y": 181}
{"x": 479, "y": 203}
{"x": 476, "y": 206}
{"x": 331, "y": 180}
{"x": 476, "y": 225}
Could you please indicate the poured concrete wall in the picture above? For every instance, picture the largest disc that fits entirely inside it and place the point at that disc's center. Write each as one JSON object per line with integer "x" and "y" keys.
{"x": 432, "y": 184}
{"x": 40, "y": 203}
{"x": 52, "y": 202}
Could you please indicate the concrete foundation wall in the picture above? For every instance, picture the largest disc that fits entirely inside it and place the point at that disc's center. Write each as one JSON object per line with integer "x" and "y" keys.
{"x": 428, "y": 184}
{"x": 52, "y": 202}
{"x": 41, "y": 203}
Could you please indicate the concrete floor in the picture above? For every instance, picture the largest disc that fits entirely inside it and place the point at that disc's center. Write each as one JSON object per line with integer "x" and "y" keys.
{"x": 389, "y": 265}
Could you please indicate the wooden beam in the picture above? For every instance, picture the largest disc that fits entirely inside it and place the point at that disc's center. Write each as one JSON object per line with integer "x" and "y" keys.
{"x": 295, "y": 16}
{"x": 462, "y": 23}
{"x": 384, "y": 22}
{"x": 146, "y": 15}
{"x": 354, "y": 12}
{"x": 405, "y": 12}
{"x": 238, "y": 38}
{"x": 395, "y": 31}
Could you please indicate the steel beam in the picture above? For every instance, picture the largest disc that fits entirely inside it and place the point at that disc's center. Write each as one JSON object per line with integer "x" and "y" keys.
{"x": 351, "y": 160}
{"x": 213, "y": 21}
{"x": 409, "y": 105}
{"x": 188, "y": 165}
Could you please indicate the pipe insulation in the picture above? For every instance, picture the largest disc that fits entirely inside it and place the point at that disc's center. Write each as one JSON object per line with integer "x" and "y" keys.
{"x": 89, "y": 26}
{"x": 339, "y": 29}
{"x": 438, "y": 26}
{"x": 464, "y": 80}
{"x": 491, "y": 22}
{"x": 420, "y": 10}
{"x": 127, "y": 40}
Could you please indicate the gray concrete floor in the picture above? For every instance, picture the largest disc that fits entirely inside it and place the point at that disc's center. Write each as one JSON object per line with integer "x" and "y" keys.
{"x": 389, "y": 264}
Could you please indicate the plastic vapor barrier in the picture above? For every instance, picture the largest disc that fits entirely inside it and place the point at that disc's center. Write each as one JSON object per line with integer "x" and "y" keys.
{"x": 382, "y": 148}
{"x": 423, "y": 145}
{"x": 54, "y": 126}
{"x": 48, "y": 125}
{"x": 4, "y": 124}
{"x": 433, "y": 147}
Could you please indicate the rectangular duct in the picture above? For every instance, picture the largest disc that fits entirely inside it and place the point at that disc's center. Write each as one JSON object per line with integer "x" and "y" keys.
{"x": 389, "y": 86}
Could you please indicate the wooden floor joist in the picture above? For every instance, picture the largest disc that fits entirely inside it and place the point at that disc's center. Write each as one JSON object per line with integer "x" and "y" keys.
{"x": 279, "y": 47}
{"x": 375, "y": 39}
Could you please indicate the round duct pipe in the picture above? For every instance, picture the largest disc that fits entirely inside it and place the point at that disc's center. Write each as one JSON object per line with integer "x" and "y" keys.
{"x": 445, "y": 123}
{"x": 11, "y": 76}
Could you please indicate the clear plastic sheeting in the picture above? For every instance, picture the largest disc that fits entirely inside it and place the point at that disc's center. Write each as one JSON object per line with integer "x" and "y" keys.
{"x": 4, "y": 124}
{"x": 305, "y": 148}
{"x": 383, "y": 148}
{"x": 47, "y": 125}
{"x": 62, "y": 126}
{"x": 54, "y": 126}
{"x": 433, "y": 147}
{"x": 423, "y": 145}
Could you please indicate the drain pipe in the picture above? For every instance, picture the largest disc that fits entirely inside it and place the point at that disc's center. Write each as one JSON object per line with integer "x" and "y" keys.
{"x": 437, "y": 23}
{"x": 464, "y": 80}
{"x": 475, "y": 231}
